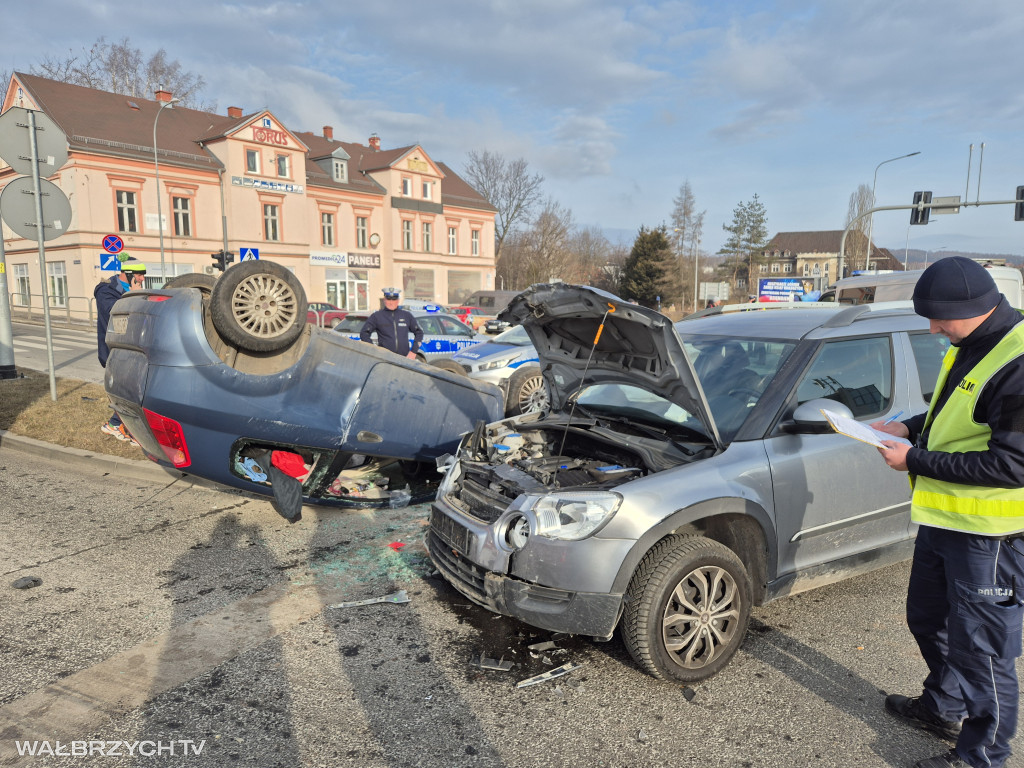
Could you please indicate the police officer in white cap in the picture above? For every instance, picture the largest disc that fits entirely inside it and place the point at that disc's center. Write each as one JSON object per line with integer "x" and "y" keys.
{"x": 393, "y": 326}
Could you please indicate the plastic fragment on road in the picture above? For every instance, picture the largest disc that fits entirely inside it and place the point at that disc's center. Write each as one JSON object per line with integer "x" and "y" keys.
{"x": 547, "y": 645}
{"x": 27, "y": 582}
{"x": 396, "y": 545}
{"x": 398, "y": 597}
{"x": 400, "y": 497}
{"x": 549, "y": 675}
{"x": 498, "y": 665}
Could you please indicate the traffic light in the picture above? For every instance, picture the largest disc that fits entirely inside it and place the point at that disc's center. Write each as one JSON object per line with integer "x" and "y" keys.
{"x": 1018, "y": 209}
{"x": 920, "y": 215}
{"x": 229, "y": 257}
{"x": 219, "y": 260}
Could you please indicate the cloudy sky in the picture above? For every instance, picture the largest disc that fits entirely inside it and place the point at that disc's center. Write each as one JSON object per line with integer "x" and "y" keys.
{"x": 617, "y": 104}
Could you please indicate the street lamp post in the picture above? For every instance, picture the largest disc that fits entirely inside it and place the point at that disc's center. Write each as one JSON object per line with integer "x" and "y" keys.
{"x": 932, "y": 253}
{"x": 156, "y": 168}
{"x": 871, "y": 219}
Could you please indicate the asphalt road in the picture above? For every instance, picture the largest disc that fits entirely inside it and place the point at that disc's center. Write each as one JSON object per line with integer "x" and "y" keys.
{"x": 74, "y": 351}
{"x": 169, "y": 613}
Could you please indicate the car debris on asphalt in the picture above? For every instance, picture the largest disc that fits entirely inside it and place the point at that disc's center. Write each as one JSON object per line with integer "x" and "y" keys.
{"x": 398, "y": 597}
{"x": 27, "y": 582}
{"x": 498, "y": 665}
{"x": 549, "y": 675}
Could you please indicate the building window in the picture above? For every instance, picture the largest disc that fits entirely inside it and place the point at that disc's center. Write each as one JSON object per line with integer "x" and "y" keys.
{"x": 127, "y": 212}
{"x": 282, "y": 166}
{"x": 360, "y": 231}
{"x": 340, "y": 170}
{"x": 407, "y": 187}
{"x": 806, "y": 270}
{"x": 775, "y": 267}
{"x": 453, "y": 240}
{"x": 271, "y": 223}
{"x": 428, "y": 188}
{"x": 763, "y": 268}
{"x": 787, "y": 267}
{"x": 57, "y": 281}
{"x": 475, "y": 238}
{"x": 182, "y": 216}
{"x": 461, "y": 285}
{"x": 327, "y": 228}
{"x": 407, "y": 235}
{"x": 418, "y": 283}
{"x": 428, "y": 244}
{"x": 252, "y": 161}
{"x": 22, "y": 286}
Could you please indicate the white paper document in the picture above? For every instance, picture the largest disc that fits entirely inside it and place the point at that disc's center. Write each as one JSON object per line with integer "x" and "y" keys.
{"x": 858, "y": 430}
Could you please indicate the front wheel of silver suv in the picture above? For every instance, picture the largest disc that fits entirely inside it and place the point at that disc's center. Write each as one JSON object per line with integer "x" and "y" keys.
{"x": 688, "y": 609}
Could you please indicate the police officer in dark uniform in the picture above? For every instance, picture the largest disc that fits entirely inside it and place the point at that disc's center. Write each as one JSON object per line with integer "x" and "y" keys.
{"x": 393, "y": 326}
{"x": 966, "y": 466}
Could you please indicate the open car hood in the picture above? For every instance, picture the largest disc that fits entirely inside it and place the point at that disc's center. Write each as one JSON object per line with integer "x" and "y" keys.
{"x": 636, "y": 346}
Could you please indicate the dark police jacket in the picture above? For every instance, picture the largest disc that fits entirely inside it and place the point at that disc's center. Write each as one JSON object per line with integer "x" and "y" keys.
{"x": 393, "y": 329}
{"x": 106, "y": 294}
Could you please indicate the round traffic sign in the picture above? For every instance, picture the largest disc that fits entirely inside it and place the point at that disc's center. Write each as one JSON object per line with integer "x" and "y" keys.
{"x": 16, "y": 142}
{"x": 18, "y": 207}
{"x": 113, "y": 244}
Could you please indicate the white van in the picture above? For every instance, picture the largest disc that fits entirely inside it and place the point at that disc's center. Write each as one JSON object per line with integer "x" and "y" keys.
{"x": 899, "y": 286}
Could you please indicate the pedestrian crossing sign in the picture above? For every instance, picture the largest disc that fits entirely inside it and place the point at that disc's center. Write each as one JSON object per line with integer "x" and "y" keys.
{"x": 249, "y": 254}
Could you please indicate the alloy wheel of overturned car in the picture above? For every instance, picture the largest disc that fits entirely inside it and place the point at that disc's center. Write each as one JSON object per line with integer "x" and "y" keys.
{"x": 527, "y": 392}
{"x": 688, "y": 610}
{"x": 259, "y": 306}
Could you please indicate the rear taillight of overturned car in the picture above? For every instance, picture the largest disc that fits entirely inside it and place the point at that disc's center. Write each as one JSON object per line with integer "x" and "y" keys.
{"x": 170, "y": 437}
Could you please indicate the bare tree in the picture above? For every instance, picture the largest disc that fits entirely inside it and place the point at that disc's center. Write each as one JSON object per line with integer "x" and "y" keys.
{"x": 860, "y": 201}
{"x": 508, "y": 186}
{"x": 687, "y": 230}
{"x": 120, "y": 68}
{"x": 541, "y": 253}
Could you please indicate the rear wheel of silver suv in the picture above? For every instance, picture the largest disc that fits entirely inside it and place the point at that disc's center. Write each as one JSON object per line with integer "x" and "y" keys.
{"x": 688, "y": 609}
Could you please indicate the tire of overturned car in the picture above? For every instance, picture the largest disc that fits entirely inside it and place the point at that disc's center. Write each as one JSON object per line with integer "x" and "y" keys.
{"x": 449, "y": 365}
{"x": 258, "y": 306}
{"x": 198, "y": 280}
{"x": 689, "y": 608}
{"x": 527, "y": 391}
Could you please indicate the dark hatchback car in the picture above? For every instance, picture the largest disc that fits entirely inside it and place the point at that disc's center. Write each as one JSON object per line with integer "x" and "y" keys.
{"x": 216, "y": 377}
{"x": 681, "y": 474}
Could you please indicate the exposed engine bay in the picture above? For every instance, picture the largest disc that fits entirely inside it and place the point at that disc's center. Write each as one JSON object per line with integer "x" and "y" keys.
{"x": 539, "y": 454}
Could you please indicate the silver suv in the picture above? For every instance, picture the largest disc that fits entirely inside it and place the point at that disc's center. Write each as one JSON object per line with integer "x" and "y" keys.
{"x": 682, "y": 473}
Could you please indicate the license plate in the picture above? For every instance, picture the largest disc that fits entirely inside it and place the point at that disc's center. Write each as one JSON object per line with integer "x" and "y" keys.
{"x": 120, "y": 323}
{"x": 454, "y": 534}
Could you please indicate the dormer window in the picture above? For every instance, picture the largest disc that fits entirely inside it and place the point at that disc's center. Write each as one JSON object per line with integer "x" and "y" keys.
{"x": 340, "y": 171}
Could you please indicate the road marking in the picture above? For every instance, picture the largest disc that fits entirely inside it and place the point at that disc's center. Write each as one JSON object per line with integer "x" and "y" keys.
{"x": 33, "y": 345}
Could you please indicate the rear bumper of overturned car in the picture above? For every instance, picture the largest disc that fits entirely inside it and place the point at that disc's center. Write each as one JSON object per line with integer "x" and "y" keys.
{"x": 549, "y": 608}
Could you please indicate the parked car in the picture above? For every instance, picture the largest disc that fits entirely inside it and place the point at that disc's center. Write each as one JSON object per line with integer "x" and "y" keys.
{"x": 325, "y": 315}
{"x": 471, "y": 316}
{"x": 895, "y": 286}
{"x": 224, "y": 380}
{"x": 443, "y": 334}
{"x": 496, "y": 325}
{"x": 682, "y": 474}
{"x": 509, "y": 361}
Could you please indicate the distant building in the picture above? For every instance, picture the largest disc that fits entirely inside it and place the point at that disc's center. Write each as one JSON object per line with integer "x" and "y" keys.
{"x": 815, "y": 256}
{"x": 348, "y": 219}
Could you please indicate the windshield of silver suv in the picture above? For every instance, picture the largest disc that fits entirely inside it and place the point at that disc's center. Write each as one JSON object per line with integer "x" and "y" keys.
{"x": 734, "y": 373}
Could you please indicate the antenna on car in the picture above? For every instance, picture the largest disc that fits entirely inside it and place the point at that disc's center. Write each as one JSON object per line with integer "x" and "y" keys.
{"x": 597, "y": 338}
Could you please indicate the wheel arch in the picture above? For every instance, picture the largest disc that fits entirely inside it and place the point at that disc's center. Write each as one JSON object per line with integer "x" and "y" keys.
{"x": 739, "y": 524}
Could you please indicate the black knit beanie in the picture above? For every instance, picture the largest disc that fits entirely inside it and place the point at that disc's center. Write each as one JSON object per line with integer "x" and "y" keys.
{"x": 955, "y": 288}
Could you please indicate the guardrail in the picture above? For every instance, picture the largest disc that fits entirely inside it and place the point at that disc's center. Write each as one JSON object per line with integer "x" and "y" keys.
{"x": 77, "y": 310}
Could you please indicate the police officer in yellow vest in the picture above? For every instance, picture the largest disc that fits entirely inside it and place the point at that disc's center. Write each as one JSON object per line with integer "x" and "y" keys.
{"x": 966, "y": 468}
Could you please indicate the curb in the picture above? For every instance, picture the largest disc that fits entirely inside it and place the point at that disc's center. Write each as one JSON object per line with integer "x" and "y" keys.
{"x": 102, "y": 462}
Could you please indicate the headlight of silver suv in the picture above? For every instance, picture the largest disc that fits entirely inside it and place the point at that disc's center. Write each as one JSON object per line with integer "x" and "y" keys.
{"x": 573, "y": 516}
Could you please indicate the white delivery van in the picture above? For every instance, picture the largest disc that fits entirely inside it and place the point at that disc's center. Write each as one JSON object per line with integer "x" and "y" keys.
{"x": 899, "y": 286}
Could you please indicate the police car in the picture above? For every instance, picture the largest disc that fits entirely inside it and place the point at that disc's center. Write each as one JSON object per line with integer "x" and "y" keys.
{"x": 443, "y": 334}
{"x": 510, "y": 361}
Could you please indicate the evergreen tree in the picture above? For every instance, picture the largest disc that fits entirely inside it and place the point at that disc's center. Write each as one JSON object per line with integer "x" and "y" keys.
{"x": 748, "y": 236}
{"x": 650, "y": 270}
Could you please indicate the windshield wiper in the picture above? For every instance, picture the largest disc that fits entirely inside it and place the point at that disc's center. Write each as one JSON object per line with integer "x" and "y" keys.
{"x": 647, "y": 429}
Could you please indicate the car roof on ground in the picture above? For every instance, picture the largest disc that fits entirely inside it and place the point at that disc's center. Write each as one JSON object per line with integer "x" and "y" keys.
{"x": 798, "y": 323}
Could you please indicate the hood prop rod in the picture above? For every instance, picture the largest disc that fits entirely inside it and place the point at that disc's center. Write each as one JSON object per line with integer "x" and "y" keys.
{"x": 583, "y": 378}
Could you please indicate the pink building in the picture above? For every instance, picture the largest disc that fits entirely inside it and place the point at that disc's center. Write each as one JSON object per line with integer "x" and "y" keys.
{"x": 348, "y": 219}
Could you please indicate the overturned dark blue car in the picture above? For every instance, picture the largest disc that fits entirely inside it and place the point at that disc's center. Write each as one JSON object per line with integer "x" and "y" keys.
{"x": 225, "y": 380}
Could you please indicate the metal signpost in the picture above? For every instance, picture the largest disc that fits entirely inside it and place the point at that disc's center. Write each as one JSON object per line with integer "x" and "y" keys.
{"x": 28, "y": 140}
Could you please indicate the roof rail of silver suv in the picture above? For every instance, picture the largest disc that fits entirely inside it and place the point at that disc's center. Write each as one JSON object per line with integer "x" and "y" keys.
{"x": 857, "y": 312}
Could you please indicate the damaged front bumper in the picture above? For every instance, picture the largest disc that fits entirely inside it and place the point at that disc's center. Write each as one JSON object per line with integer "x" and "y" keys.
{"x": 595, "y": 614}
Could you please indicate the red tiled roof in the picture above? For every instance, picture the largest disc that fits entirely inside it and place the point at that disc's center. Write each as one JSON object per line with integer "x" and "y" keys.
{"x": 823, "y": 241}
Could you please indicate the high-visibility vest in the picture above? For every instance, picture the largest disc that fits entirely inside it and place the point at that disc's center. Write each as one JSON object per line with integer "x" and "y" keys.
{"x": 971, "y": 508}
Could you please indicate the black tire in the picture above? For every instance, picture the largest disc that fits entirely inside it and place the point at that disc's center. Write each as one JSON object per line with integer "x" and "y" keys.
{"x": 258, "y": 306}
{"x": 447, "y": 364}
{"x": 527, "y": 391}
{"x": 198, "y": 280}
{"x": 706, "y": 633}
